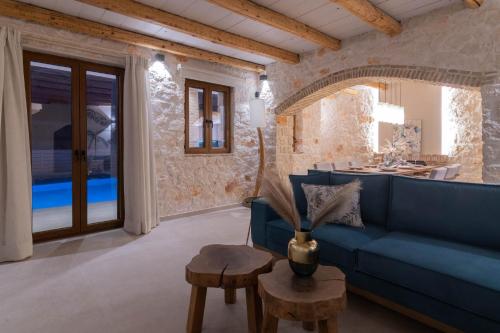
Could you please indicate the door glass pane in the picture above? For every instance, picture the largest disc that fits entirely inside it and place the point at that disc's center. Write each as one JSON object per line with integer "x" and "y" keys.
{"x": 102, "y": 147}
{"x": 196, "y": 118}
{"x": 218, "y": 119}
{"x": 51, "y": 142}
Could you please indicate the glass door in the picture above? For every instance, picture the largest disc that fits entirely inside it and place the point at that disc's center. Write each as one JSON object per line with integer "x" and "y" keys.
{"x": 74, "y": 112}
{"x": 53, "y": 110}
{"x": 100, "y": 103}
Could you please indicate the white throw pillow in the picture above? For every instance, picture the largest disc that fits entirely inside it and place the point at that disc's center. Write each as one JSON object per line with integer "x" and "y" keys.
{"x": 319, "y": 195}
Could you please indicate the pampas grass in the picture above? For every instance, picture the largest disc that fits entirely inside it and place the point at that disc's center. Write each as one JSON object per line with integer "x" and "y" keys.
{"x": 280, "y": 197}
{"x": 339, "y": 206}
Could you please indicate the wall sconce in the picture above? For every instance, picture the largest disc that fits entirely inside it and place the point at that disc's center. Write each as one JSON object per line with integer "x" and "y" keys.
{"x": 160, "y": 57}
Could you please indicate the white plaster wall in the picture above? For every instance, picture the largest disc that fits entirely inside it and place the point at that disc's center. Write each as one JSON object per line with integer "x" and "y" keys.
{"x": 422, "y": 101}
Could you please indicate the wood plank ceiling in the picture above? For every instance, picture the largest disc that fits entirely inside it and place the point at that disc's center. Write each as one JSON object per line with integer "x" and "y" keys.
{"x": 238, "y": 33}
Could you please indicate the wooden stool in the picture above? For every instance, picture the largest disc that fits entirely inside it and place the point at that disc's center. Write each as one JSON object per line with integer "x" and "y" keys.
{"x": 228, "y": 267}
{"x": 315, "y": 299}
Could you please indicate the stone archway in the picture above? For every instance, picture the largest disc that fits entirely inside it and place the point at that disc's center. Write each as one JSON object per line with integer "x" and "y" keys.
{"x": 487, "y": 82}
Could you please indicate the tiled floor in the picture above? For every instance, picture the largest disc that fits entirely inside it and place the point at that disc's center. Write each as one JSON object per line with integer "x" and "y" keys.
{"x": 114, "y": 282}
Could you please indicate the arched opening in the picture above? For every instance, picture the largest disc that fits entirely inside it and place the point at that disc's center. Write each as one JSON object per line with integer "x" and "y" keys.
{"x": 336, "y": 118}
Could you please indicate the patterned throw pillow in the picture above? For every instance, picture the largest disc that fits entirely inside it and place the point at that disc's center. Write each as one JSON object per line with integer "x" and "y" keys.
{"x": 318, "y": 195}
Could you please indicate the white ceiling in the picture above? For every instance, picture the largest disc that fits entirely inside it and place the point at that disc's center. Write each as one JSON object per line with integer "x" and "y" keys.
{"x": 323, "y": 15}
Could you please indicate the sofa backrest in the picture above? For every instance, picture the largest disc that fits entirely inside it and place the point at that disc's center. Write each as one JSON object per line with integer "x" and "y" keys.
{"x": 374, "y": 195}
{"x": 462, "y": 212}
{"x": 320, "y": 178}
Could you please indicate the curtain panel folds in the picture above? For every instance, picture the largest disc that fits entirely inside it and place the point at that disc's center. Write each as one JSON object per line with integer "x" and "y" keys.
{"x": 16, "y": 241}
{"x": 141, "y": 212}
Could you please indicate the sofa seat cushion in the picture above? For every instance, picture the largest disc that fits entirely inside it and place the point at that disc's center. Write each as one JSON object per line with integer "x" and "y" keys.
{"x": 338, "y": 243}
{"x": 460, "y": 275}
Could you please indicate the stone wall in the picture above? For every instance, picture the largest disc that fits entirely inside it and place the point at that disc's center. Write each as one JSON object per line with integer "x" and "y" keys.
{"x": 192, "y": 182}
{"x": 491, "y": 132}
{"x": 449, "y": 38}
{"x": 466, "y": 112}
{"x": 335, "y": 128}
{"x": 186, "y": 183}
{"x": 346, "y": 126}
{"x": 339, "y": 128}
{"x": 452, "y": 45}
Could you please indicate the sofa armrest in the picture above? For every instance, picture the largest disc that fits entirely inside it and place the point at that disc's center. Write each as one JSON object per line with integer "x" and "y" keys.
{"x": 261, "y": 214}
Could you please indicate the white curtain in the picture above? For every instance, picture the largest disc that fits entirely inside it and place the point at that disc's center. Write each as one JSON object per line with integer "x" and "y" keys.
{"x": 141, "y": 213}
{"x": 16, "y": 241}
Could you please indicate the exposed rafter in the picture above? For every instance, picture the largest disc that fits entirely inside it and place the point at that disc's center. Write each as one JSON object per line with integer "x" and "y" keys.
{"x": 277, "y": 20}
{"x": 372, "y": 15}
{"x": 157, "y": 16}
{"x": 58, "y": 20}
{"x": 473, "y": 3}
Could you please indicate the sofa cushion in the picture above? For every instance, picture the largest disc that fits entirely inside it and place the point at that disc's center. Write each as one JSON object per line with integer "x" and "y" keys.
{"x": 297, "y": 181}
{"x": 464, "y": 212}
{"x": 319, "y": 196}
{"x": 374, "y": 194}
{"x": 460, "y": 275}
{"x": 338, "y": 243}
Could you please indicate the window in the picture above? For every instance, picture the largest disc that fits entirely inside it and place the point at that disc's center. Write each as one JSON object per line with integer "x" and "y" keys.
{"x": 207, "y": 115}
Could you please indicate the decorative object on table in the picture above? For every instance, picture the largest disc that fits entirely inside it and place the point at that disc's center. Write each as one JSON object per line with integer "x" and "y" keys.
{"x": 229, "y": 267}
{"x": 314, "y": 300}
{"x": 303, "y": 251}
{"x": 318, "y": 195}
{"x": 394, "y": 151}
{"x": 411, "y": 132}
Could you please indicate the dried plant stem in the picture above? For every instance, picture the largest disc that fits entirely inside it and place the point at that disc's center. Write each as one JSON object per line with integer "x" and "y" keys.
{"x": 280, "y": 197}
{"x": 339, "y": 206}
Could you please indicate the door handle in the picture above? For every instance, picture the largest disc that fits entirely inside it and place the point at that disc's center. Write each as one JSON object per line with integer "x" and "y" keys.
{"x": 84, "y": 155}
{"x": 77, "y": 154}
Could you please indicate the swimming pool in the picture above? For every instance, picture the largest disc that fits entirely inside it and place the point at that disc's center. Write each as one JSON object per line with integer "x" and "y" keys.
{"x": 58, "y": 193}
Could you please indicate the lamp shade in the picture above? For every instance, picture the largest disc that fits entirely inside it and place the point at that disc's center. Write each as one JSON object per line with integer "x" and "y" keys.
{"x": 257, "y": 113}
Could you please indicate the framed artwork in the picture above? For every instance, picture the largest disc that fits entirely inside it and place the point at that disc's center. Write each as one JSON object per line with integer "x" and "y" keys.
{"x": 411, "y": 132}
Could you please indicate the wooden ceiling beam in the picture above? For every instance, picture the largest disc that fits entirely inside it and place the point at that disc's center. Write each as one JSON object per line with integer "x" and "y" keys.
{"x": 163, "y": 18}
{"x": 30, "y": 13}
{"x": 372, "y": 15}
{"x": 473, "y": 3}
{"x": 277, "y": 20}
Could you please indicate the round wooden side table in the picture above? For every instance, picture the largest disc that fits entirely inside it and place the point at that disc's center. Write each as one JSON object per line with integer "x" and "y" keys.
{"x": 228, "y": 267}
{"x": 315, "y": 299}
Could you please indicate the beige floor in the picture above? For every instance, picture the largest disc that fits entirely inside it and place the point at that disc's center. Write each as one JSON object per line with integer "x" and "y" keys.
{"x": 114, "y": 282}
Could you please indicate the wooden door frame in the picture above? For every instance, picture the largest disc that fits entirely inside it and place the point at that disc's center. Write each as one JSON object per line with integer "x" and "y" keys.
{"x": 79, "y": 142}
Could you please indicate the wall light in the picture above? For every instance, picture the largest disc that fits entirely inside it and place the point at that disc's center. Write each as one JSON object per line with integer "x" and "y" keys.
{"x": 158, "y": 67}
{"x": 160, "y": 57}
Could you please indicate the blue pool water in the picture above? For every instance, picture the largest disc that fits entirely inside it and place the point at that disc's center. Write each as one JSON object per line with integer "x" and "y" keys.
{"x": 58, "y": 193}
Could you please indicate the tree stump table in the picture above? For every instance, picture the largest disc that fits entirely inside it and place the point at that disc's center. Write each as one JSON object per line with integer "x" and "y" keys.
{"x": 228, "y": 267}
{"x": 315, "y": 299}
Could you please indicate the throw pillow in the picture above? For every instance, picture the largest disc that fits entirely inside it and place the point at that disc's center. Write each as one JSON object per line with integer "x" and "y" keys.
{"x": 318, "y": 195}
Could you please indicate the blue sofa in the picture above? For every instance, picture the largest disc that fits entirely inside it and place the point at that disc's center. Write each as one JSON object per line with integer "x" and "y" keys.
{"x": 429, "y": 246}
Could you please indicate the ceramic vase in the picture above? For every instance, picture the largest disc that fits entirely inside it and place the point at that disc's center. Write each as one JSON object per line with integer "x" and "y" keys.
{"x": 303, "y": 253}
